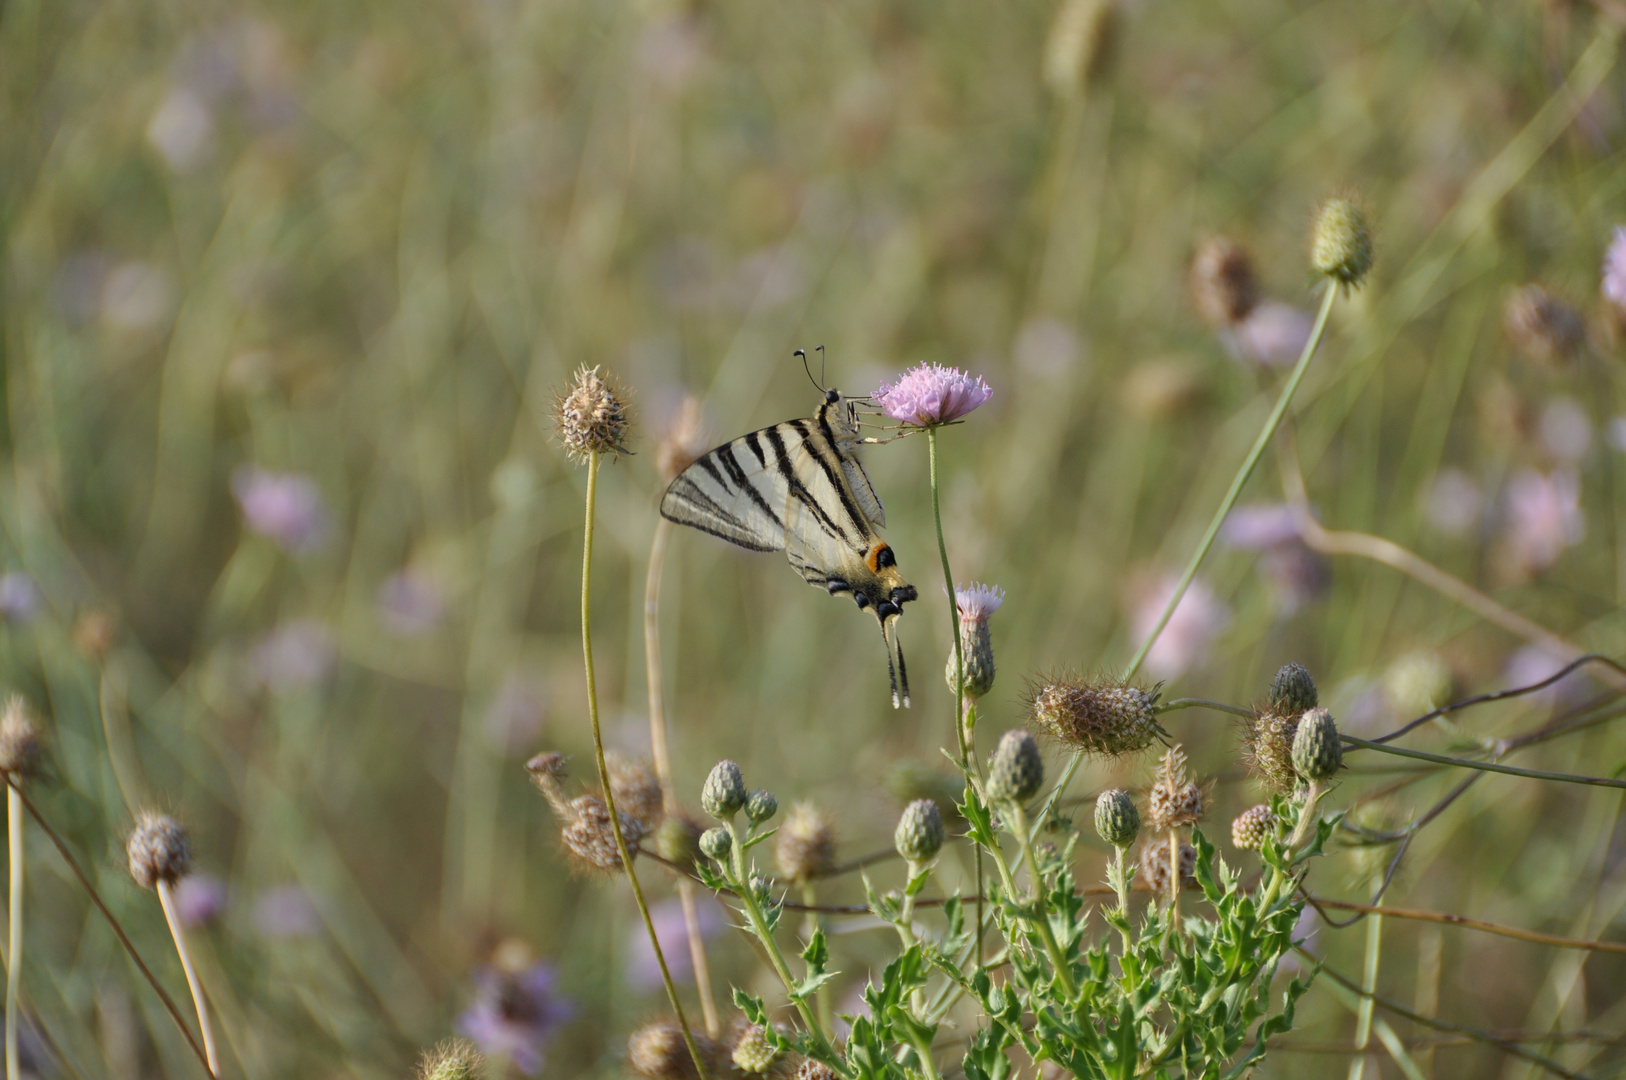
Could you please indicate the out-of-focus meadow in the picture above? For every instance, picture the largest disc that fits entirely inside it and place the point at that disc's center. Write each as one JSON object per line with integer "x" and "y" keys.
{"x": 289, "y": 552}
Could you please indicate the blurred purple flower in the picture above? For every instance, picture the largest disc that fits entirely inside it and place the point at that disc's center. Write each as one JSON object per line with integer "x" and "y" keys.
{"x": 1299, "y": 574}
{"x": 1544, "y": 517}
{"x": 286, "y": 912}
{"x": 932, "y": 394}
{"x": 670, "y": 51}
{"x": 643, "y": 972}
{"x": 287, "y": 507}
{"x": 295, "y": 655}
{"x": 1454, "y": 502}
{"x": 1614, "y": 268}
{"x": 1184, "y": 642}
{"x": 199, "y": 899}
{"x": 1274, "y": 334}
{"x": 514, "y": 718}
{"x": 514, "y": 1014}
{"x": 1260, "y": 526}
{"x": 1564, "y": 429}
{"x": 20, "y": 598}
{"x": 410, "y": 603}
{"x": 976, "y": 602}
{"x": 1533, "y": 664}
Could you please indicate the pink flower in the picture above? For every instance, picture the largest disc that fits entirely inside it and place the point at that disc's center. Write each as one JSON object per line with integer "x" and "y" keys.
{"x": 1274, "y": 334}
{"x": 932, "y": 394}
{"x": 1533, "y": 664}
{"x": 286, "y": 912}
{"x": 1260, "y": 526}
{"x": 199, "y": 898}
{"x": 286, "y": 507}
{"x": 1614, "y": 268}
{"x": 295, "y": 655}
{"x": 1454, "y": 502}
{"x": 1184, "y": 642}
{"x": 977, "y": 602}
{"x": 1544, "y": 517}
{"x": 515, "y": 1013}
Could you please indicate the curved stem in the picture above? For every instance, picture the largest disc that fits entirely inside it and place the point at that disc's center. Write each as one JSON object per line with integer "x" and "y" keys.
{"x": 1483, "y": 766}
{"x": 604, "y": 771}
{"x": 166, "y": 898}
{"x": 14, "y": 938}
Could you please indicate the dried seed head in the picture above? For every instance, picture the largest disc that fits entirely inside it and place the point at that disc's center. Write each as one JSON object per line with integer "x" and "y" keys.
{"x": 1174, "y": 801}
{"x": 1079, "y": 45}
{"x": 805, "y": 845}
{"x": 1223, "y": 287}
{"x": 637, "y": 792}
{"x": 724, "y": 793}
{"x": 657, "y": 1051}
{"x": 1541, "y": 326}
{"x": 752, "y": 1051}
{"x": 760, "y": 805}
{"x": 591, "y": 838}
{"x": 1106, "y": 718}
{"x": 681, "y": 443}
{"x": 547, "y": 770}
{"x": 1341, "y": 243}
{"x": 716, "y": 842}
{"x": 814, "y": 1070}
{"x": 1292, "y": 691}
{"x": 678, "y": 840}
{"x": 1251, "y": 828}
{"x": 1267, "y": 749}
{"x": 919, "y": 836}
{"x": 1318, "y": 752}
{"x": 1154, "y": 864}
{"x": 1116, "y": 819}
{"x": 158, "y": 850}
{"x": 19, "y": 739}
{"x": 1015, "y": 769}
{"x": 455, "y": 1059}
{"x": 591, "y": 417}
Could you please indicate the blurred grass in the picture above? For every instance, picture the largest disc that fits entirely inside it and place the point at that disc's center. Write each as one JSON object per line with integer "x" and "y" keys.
{"x": 363, "y": 242}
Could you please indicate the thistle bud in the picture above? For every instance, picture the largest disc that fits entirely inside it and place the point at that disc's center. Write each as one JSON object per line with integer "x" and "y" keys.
{"x": 975, "y": 603}
{"x": 159, "y": 850}
{"x": 1267, "y": 749}
{"x": 919, "y": 836}
{"x": 590, "y": 834}
{"x": 805, "y": 845}
{"x": 752, "y": 1051}
{"x": 814, "y": 1070}
{"x": 657, "y": 1051}
{"x": 1252, "y": 827}
{"x": 1292, "y": 691}
{"x": 1174, "y": 801}
{"x": 678, "y": 840}
{"x": 1015, "y": 771}
{"x": 1116, "y": 819}
{"x": 1341, "y": 244}
{"x": 760, "y": 805}
{"x": 724, "y": 794}
{"x": 1223, "y": 287}
{"x": 637, "y": 792}
{"x": 1105, "y": 718}
{"x": 19, "y": 740}
{"x": 716, "y": 842}
{"x": 1317, "y": 750}
{"x": 590, "y": 417}
{"x": 456, "y": 1059}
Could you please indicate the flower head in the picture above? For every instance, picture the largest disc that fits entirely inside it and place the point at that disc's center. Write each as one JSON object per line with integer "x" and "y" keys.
{"x": 1267, "y": 747}
{"x": 591, "y": 417}
{"x": 1015, "y": 770}
{"x": 919, "y": 835}
{"x": 515, "y": 1010}
{"x": 976, "y": 602}
{"x": 1544, "y": 517}
{"x": 1274, "y": 334}
{"x": 1183, "y": 644}
{"x": 932, "y": 394}
{"x": 453, "y": 1059}
{"x": 1174, "y": 800}
{"x": 637, "y": 792}
{"x": 805, "y": 845}
{"x": 1116, "y": 819}
{"x": 1154, "y": 864}
{"x": 1341, "y": 243}
{"x": 159, "y": 850}
{"x": 1103, "y": 717}
{"x": 285, "y": 507}
{"x": 1542, "y": 326}
{"x": 19, "y": 739}
{"x": 1251, "y": 828}
{"x": 1614, "y": 269}
{"x": 657, "y": 1051}
{"x": 199, "y": 899}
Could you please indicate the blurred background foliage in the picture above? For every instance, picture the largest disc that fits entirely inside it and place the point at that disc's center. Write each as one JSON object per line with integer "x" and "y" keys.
{"x": 286, "y": 293}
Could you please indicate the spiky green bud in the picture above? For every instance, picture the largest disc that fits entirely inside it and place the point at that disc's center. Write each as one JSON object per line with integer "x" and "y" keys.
{"x": 1292, "y": 691}
{"x": 716, "y": 843}
{"x": 1116, "y": 819}
{"x": 1341, "y": 245}
{"x": 1016, "y": 771}
{"x": 919, "y": 836}
{"x": 724, "y": 794}
{"x": 760, "y": 805}
{"x": 977, "y": 653}
{"x": 1317, "y": 750}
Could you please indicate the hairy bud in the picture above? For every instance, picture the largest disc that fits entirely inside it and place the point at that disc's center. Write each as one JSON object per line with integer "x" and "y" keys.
{"x": 19, "y": 740}
{"x": 1116, "y": 819}
{"x": 1267, "y": 749}
{"x": 590, "y": 836}
{"x": 919, "y": 836}
{"x": 657, "y": 1051}
{"x": 716, "y": 842}
{"x": 760, "y": 805}
{"x": 637, "y": 792}
{"x": 456, "y": 1059}
{"x": 1292, "y": 691}
{"x": 805, "y": 845}
{"x": 1341, "y": 243}
{"x": 590, "y": 417}
{"x": 724, "y": 794}
{"x": 1251, "y": 828}
{"x": 1104, "y": 718}
{"x": 1317, "y": 750}
{"x": 678, "y": 840}
{"x": 159, "y": 850}
{"x": 1015, "y": 771}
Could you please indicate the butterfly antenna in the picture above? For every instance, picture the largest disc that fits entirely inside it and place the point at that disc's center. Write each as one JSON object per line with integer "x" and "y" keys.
{"x": 803, "y": 354}
{"x": 820, "y": 350}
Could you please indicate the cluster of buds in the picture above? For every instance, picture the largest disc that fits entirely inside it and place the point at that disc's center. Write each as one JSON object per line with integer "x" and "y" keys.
{"x": 1223, "y": 286}
{"x": 588, "y": 833}
{"x": 1267, "y": 736}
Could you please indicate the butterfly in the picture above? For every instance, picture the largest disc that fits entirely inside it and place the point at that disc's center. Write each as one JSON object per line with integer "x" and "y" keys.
{"x": 798, "y": 487}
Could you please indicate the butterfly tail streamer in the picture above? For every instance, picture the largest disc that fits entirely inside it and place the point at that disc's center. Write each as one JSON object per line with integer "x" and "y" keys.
{"x": 895, "y": 668}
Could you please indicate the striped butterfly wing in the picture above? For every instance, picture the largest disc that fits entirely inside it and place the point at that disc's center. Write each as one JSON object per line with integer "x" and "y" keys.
{"x": 738, "y": 491}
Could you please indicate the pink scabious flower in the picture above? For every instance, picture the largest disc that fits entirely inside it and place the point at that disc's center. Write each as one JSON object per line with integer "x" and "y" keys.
{"x": 1544, "y": 517}
{"x": 1614, "y": 269}
{"x": 199, "y": 899}
{"x": 643, "y": 970}
{"x": 286, "y": 507}
{"x": 932, "y": 394}
{"x": 515, "y": 1013}
{"x": 976, "y": 602}
{"x": 1184, "y": 642}
{"x": 1274, "y": 334}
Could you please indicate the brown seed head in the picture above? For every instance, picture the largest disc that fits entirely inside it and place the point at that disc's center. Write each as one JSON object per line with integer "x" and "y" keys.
{"x": 658, "y": 1052}
{"x": 1154, "y": 864}
{"x": 806, "y": 843}
{"x": 1223, "y": 287}
{"x": 637, "y": 792}
{"x": 158, "y": 850}
{"x": 814, "y": 1070}
{"x": 590, "y": 416}
{"x": 19, "y": 739}
{"x": 1267, "y": 749}
{"x": 591, "y": 838}
{"x": 1251, "y": 827}
{"x": 547, "y": 770}
{"x": 1173, "y": 801}
{"x": 1541, "y": 326}
{"x": 1103, "y": 717}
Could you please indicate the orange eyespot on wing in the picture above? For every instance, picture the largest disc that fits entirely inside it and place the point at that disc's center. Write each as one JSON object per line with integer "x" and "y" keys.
{"x": 880, "y": 556}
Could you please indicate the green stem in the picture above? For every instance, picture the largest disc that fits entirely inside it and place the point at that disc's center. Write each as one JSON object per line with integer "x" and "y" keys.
{"x": 604, "y": 771}
{"x": 1369, "y": 979}
{"x": 166, "y": 898}
{"x": 1483, "y": 766}
{"x": 1041, "y": 918}
{"x": 923, "y": 1048}
{"x": 1272, "y": 422}
{"x": 14, "y": 940}
{"x": 1120, "y": 883}
{"x": 811, "y": 925}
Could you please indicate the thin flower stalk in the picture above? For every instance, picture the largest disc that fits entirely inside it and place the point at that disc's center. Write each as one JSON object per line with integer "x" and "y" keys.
{"x": 1363, "y": 1012}
{"x": 14, "y": 937}
{"x": 166, "y": 898}
{"x": 604, "y": 770}
{"x": 660, "y": 751}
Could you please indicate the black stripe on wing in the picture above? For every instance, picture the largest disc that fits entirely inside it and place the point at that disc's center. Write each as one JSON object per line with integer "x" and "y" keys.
{"x": 688, "y": 504}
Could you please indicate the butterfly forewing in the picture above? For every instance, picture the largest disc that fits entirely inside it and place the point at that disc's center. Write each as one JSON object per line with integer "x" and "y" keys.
{"x": 738, "y": 490}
